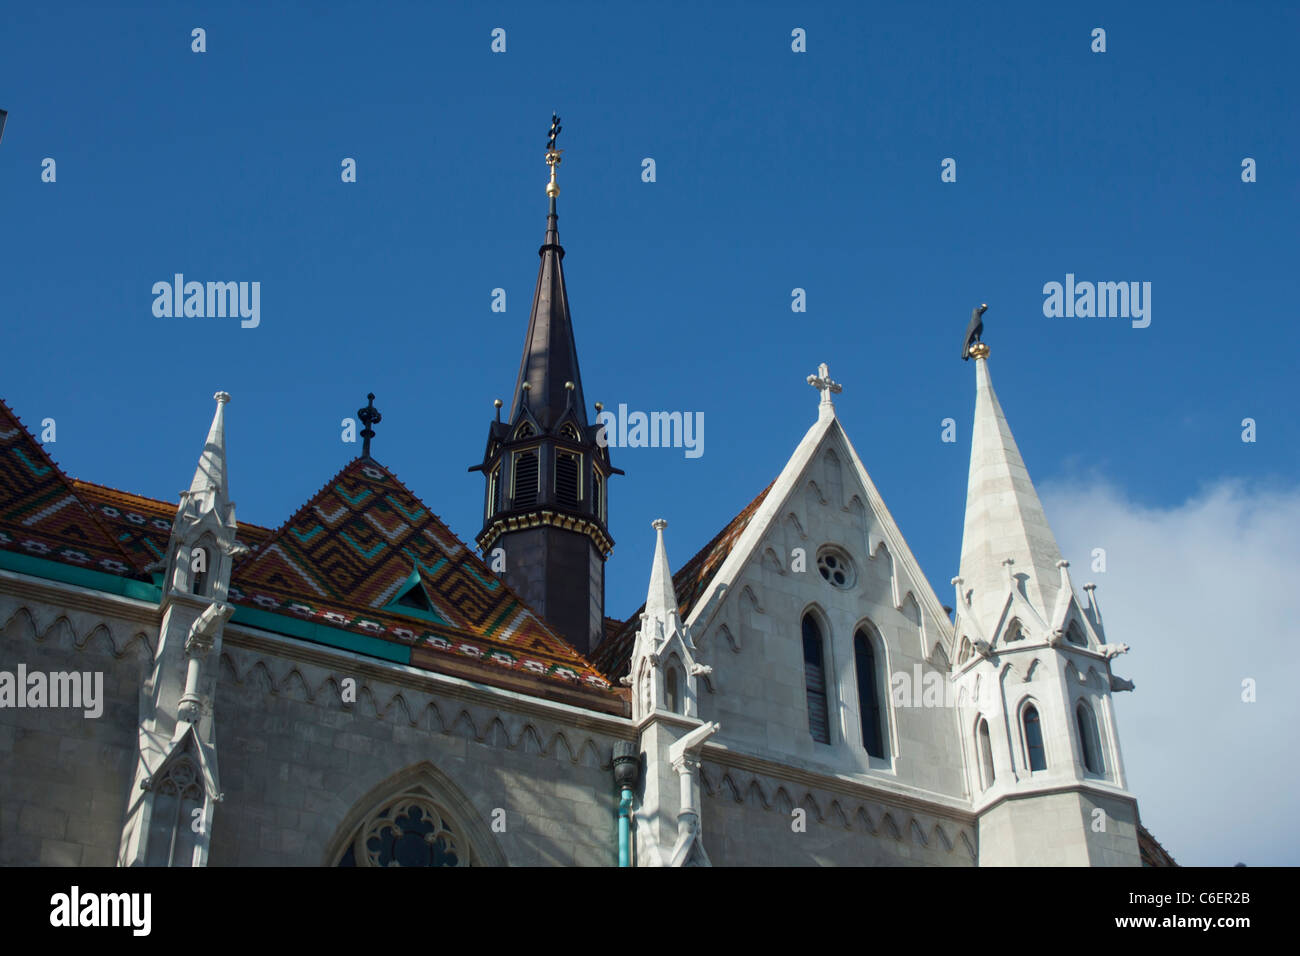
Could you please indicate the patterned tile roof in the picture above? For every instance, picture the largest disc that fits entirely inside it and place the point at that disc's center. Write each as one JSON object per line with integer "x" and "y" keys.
{"x": 40, "y": 513}
{"x": 142, "y": 526}
{"x": 342, "y": 561}
{"x": 363, "y": 542}
{"x": 613, "y": 654}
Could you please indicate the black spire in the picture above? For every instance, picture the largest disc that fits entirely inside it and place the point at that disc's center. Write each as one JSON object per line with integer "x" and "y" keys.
{"x": 550, "y": 356}
{"x": 544, "y": 518}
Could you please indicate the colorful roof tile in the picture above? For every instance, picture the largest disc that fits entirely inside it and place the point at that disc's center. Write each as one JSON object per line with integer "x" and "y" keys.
{"x": 366, "y": 555}
{"x": 613, "y": 654}
{"x": 346, "y": 560}
{"x": 142, "y": 526}
{"x": 40, "y": 512}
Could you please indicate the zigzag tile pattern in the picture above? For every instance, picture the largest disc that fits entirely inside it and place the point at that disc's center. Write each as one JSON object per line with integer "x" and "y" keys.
{"x": 40, "y": 513}
{"x": 341, "y": 559}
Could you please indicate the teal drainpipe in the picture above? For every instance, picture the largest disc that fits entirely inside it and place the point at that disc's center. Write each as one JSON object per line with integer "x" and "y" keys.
{"x": 624, "y": 830}
{"x": 627, "y": 768}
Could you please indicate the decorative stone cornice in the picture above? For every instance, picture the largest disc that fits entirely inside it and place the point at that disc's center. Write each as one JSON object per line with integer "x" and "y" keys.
{"x": 292, "y": 650}
{"x": 536, "y": 519}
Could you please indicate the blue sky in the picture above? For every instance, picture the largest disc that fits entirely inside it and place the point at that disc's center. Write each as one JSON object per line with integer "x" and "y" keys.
{"x": 775, "y": 170}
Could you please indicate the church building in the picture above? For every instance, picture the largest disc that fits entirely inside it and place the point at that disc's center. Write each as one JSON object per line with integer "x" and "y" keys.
{"x": 361, "y": 687}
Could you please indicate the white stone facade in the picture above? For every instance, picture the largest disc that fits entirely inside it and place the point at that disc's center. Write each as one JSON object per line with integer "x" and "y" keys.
{"x": 292, "y": 771}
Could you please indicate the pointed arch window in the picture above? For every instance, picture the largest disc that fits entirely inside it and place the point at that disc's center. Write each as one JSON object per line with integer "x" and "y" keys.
{"x": 177, "y": 795}
{"x": 1015, "y": 632}
{"x": 869, "y": 704}
{"x": 1035, "y": 752}
{"x": 201, "y": 566}
{"x": 1089, "y": 740}
{"x": 814, "y": 673}
{"x": 673, "y": 688}
{"x": 985, "y": 745}
{"x": 1074, "y": 634}
{"x": 411, "y": 831}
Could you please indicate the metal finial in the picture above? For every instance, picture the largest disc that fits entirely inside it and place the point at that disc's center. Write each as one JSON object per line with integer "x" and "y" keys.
{"x": 553, "y": 156}
{"x": 972, "y": 344}
{"x": 497, "y": 403}
{"x": 368, "y": 416}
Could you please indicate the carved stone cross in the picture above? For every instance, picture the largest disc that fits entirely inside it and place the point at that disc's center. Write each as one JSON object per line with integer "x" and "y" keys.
{"x": 823, "y": 383}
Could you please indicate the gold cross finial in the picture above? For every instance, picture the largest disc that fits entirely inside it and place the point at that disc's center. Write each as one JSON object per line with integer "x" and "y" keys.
{"x": 553, "y": 156}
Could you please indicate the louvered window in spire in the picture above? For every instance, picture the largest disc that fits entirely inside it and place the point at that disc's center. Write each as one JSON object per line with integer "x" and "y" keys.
{"x": 568, "y": 485}
{"x": 524, "y": 492}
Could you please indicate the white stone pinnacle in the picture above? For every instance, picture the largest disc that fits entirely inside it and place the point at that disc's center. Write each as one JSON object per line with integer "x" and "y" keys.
{"x": 1006, "y": 533}
{"x": 210, "y": 476}
{"x": 661, "y": 602}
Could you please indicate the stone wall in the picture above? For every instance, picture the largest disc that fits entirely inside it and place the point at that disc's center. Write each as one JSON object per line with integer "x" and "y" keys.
{"x": 64, "y": 776}
{"x": 297, "y": 763}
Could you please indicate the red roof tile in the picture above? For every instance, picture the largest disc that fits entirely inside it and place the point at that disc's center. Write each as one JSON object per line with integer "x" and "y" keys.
{"x": 349, "y": 553}
{"x": 142, "y": 526}
{"x": 341, "y": 561}
{"x": 40, "y": 512}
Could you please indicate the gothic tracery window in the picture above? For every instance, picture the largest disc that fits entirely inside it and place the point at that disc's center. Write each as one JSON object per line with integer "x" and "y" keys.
{"x": 409, "y": 831}
{"x": 176, "y": 796}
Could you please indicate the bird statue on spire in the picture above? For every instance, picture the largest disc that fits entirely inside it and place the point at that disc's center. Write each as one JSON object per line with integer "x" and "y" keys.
{"x": 974, "y": 331}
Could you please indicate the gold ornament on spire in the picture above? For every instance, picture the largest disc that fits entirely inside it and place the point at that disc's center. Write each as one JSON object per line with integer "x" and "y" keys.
{"x": 553, "y": 156}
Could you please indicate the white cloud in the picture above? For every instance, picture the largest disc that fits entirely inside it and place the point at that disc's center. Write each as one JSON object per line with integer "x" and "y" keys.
{"x": 1205, "y": 594}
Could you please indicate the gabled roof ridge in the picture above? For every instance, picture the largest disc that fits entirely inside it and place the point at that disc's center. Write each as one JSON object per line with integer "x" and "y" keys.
{"x": 703, "y": 552}
{"x": 128, "y": 559}
{"x": 266, "y": 547}
{"x": 99, "y": 486}
{"x": 683, "y": 574}
{"x": 899, "y": 547}
{"x": 278, "y": 532}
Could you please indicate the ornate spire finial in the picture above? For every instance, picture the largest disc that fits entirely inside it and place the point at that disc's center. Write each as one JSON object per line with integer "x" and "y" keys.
{"x": 823, "y": 383}
{"x": 553, "y": 156}
{"x": 971, "y": 344}
{"x": 368, "y": 416}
